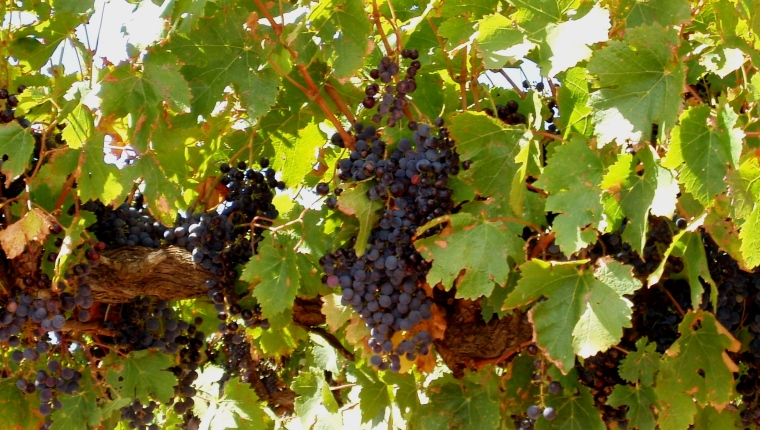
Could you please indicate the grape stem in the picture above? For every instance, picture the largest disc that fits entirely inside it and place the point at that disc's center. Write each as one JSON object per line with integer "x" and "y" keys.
{"x": 376, "y": 19}
{"x": 675, "y": 303}
{"x": 514, "y": 85}
{"x": 623, "y": 350}
{"x": 330, "y": 338}
{"x": 312, "y": 92}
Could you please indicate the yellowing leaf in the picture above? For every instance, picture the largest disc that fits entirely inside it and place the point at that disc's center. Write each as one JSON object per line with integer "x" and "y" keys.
{"x": 35, "y": 226}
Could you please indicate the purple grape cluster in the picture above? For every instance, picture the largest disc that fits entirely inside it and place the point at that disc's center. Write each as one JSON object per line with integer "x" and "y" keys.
{"x": 49, "y": 383}
{"x": 140, "y": 416}
{"x": 508, "y": 113}
{"x": 393, "y": 97}
{"x": 384, "y": 284}
{"x": 220, "y": 241}
{"x": 126, "y": 225}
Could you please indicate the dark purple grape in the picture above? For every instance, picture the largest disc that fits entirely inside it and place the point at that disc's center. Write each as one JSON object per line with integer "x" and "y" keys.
{"x": 533, "y": 412}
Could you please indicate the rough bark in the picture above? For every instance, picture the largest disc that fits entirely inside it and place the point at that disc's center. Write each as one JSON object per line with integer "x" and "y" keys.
{"x": 169, "y": 273}
{"x": 469, "y": 342}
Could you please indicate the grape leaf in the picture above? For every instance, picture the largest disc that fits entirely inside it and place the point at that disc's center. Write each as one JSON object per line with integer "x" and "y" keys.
{"x": 221, "y": 52}
{"x": 315, "y": 402}
{"x": 582, "y": 314}
{"x": 573, "y": 97}
{"x": 750, "y": 236}
{"x": 642, "y": 364}
{"x": 354, "y": 201}
{"x": 99, "y": 180}
{"x": 637, "y": 194}
{"x": 498, "y": 44}
{"x": 535, "y": 15}
{"x": 575, "y": 412}
{"x": 641, "y": 82}
{"x": 489, "y": 244}
{"x": 35, "y": 44}
{"x": 572, "y": 177}
{"x": 663, "y": 12}
{"x": 344, "y": 29}
{"x": 17, "y": 407}
{"x": 34, "y": 226}
{"x": 141, "y": 373}
{"x": 239, "y": 407}
{"x": 374, "y": 397}
{"x": 456, "y": 404}
{"x": 274, "y": 275}
{"x": 77, "y": 412}
{"x": 491, "y": 146}
{"x": 744, "y": 187}
{"x": 639, "y": 401}
{"x": 473, "y": 8}
{"x": 295, "y": 154}
{"x": 18, "y": 144}
{"x": 702, "y": 154}
{"x": 567, "y": 43}
{"x": 711, "y": 418}
{"x": 281, "y": 338}
{"x": 697, "y": 367}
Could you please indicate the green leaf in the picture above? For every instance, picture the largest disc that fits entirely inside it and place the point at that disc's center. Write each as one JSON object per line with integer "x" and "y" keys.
{"x": 641, "y": 364}
{"x": 492, "y": 147}
{"x": 354, "y": 201}
{"x": 79, "y": 411}
{"x": 296, "y": 155}
{"x": 162, "y": 74}
{"x": 281, "y": 338}
{"x": 639, "y": 401}
{"x": 345, "y": 31}
{"x": 498, "y": 44}
{"x": 17, "y": 407}
{"x": 695, "y": 367}
{"x": 459, "y": 405}
{"x": 744, "y": 187}
{"x": 572, "y": 97}
{"x": 576, "y": 412}
{"x": 702, "y": 153}
{"x": 99, "y": 180}
{"x": 18, "y": 144}
{"x": 536, "y": 15}
{"x": 489, "y": 244}
{"x": 315, "y": 403}
{"x": 582, "y": 315}
{"x": 472, "y": 8}
{"x": 750, "y": 236}
{"x": 239, "y": 408}
{"x": 641, "y": 83}
{"x": 663, "y": 12}
{"x": 572, "y": 177}
{"x": 567, "y": 43}
{"x": 275, "y": 275}
{"x": 35, "y": 44}
{"x": 141, "y": 373}
{"x": 374, "y": 397}
{"x": 711, "y": 418}
{"x": 220, "y": 52}
{"x": 637, "y": 195}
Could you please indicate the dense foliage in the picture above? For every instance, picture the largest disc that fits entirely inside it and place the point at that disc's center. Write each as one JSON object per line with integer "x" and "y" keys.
{"x": 353, "y": 213}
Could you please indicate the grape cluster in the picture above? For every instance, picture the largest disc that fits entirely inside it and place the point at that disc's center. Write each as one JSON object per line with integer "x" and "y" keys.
{"x": 600, "y": 374}
{"x": 393, "y": 97}
{"x": 140, "y": 416}
{"x": 186, "y": 371}
{"x": 384, "y": 284}
{"x": 49, "y": 383}
{"x": 220, "y": 241}
{"x": 508, "y": 113}
{"x": 147, "y": 323}
{"x": 126, "y": 225}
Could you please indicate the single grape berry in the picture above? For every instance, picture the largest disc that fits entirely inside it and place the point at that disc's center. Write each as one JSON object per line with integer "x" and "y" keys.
{"x": 533, "y": 412}
{"x": 681, "y": 223}
{"x": 225, "y": 168}
{"x": 264, "y": 162}
{"x": 323, "y": 188}
{"x": 3, "y": 94}
{"x": 555, "y": 387}
{"x": 12, "y": 101}
{"x": 21, "y": 88}
{"x": 540, "y": 86}
{"x": 526, "y": 84}
{"x": 550, "y": 413}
